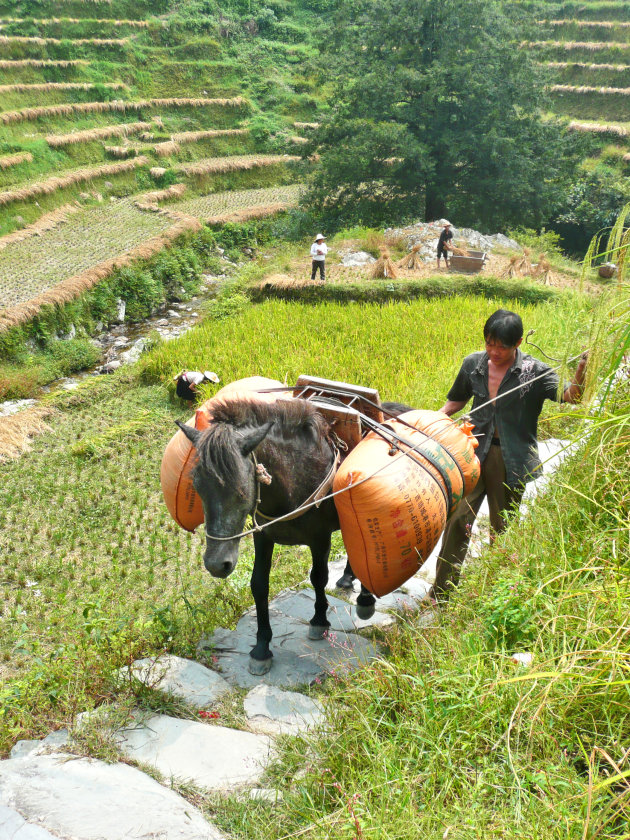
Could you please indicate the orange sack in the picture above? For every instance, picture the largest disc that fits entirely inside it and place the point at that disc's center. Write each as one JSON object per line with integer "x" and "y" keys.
{"x": 391, "y": 522}
{"x": 180, "y": 456}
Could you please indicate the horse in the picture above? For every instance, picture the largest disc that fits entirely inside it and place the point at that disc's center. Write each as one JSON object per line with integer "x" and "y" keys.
{"x": 267, "y": 460}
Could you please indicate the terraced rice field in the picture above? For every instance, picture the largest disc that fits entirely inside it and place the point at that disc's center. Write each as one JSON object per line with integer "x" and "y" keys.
{"x": 93, "y": 235}
{"x": 208, "y": 206}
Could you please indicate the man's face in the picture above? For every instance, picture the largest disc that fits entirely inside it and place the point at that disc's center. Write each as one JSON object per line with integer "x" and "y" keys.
{"x": 498, "y": 353}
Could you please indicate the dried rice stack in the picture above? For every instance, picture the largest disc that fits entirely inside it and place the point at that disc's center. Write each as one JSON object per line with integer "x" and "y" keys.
{"x": 411, "y": 260}
{"x": 543, "y": 270}
{"x": 511, "y": 270}
{"x": 383, "y": 267}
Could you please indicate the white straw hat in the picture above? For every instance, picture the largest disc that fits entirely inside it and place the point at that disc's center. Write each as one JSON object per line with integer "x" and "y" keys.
{"x": 319, "y": 236}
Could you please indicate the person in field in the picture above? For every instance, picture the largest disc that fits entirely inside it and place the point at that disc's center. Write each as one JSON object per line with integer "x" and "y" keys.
{"x": 506, "y": 428}
{"x": 188, "y": 382}
{"x": 444, "y": 243}
{"x": 319, "y": 249}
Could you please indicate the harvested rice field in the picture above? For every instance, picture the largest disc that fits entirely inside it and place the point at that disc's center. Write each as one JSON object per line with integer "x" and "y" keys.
{"x": 33, "y": 266}
{"x": 90, "y": 236}
{"x": 206, "y": 206}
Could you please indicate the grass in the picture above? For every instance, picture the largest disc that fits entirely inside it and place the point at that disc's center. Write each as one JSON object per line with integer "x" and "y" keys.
{"x": 448, "y": 736}
{"x": 64, "y": 627}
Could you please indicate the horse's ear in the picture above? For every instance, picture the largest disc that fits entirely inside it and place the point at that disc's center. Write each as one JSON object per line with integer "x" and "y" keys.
{"x": 252, "y": 437}
{"x": 191, "y": 433}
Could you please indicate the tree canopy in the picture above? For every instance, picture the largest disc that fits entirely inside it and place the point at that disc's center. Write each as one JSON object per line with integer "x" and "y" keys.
{"x": 435, "y": 111}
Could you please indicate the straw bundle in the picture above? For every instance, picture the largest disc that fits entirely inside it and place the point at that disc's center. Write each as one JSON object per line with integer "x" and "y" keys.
{"x": 60, "y": 182}
{"x": 17, "y": 430}
{"x": 298, "y": 140}
{"x": 170, "y": 147}
{"x": 150, "y": 200}
{"x": 599, "y": 128}
{"x": 519, "y": 266}
{"x": 157, "y": 171}
{"x": 626, "y": 158}
{"x": 303, "y": 125}
{"x": 7, "y": 64}
{"x": 543, "y": 270}
{"x": 383, "y": 267}
{"x": 524, "y": 263}
{"x": 194, "y": 136}
{"x": 74, "y": 286}
{"x": 46, "y": 222}
{"x": 13, "y": 160}
{"x": 231, "y": 164}
{"x": 246, "y": 213}
{"x": 602, "y": 24}
{"x": 579, "y": 45}
{"x": 284, "y": 281}
{"x": 121, "y": 152}
{"x": 68, "y": 109}
{"x": 587, "y": 89}
{"x": 459, "y": 252}
{"x": 24, "y": 39}
{"x": 90, "y": 134}
{"x": 140, "y": 24}
{"x": 24, "y": 88}
{"x": 511, "y": 270}
{"x": 582, "y": 65}
{"x": 412, "y": 259}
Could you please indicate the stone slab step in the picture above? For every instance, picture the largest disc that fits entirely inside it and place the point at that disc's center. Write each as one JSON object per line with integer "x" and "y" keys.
{"x": 57, "y": 797}
{"x": 190, "y": 681}
{"x": 272, "y": 711}
{"x": 212, "y": 757}
{"x": 297, "y": 660}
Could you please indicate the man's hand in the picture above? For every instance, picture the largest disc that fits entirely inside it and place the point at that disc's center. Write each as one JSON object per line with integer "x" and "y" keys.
{"x": 574, "y": 392}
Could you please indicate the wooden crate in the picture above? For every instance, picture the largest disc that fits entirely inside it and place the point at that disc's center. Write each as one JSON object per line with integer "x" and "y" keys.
{"x": 466, "y": 265}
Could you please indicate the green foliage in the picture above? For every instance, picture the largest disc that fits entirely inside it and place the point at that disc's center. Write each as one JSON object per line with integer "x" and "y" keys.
{"x": 589, "y": 207}
{"x": 506, "y": 615}
{"x": 433, "y": 122}
{"x": 72, "y": 355}
{"x": 547, "y": 241}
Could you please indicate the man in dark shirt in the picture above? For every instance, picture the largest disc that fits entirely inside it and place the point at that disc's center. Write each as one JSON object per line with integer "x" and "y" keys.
{"x": 506, "y": 428}
{"x": 443, "y": 242}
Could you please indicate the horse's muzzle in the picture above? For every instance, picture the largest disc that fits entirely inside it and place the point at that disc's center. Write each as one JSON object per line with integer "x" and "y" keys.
{"x": 220, "y": 570}
{"x": 220, "y": 564}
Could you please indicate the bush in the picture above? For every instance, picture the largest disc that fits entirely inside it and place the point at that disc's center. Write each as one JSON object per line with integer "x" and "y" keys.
{"x": 75, "y": 354}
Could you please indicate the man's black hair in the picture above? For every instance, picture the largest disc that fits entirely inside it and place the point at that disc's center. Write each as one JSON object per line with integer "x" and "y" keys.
{"x": 504, "y": 326}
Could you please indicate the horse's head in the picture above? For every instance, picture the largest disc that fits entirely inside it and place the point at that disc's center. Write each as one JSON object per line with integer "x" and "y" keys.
{"x": 226, "y": 483}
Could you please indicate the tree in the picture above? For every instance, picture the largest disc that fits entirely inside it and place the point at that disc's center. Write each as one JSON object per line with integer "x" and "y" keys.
{"x": 435, "y": 109}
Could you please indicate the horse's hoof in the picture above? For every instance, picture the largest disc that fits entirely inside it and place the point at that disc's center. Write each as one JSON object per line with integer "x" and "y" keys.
{"x": 345, "y": 582}
{"x": 259, "y": 667}
{"x": 316, "y": 633}
{"x": 364, "y": 612}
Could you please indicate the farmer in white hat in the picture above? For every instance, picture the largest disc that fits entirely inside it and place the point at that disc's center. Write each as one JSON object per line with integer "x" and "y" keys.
{"x": 444, "y": 242}
{"x": 318, "y": 253}
{"x": 188, "y": 382}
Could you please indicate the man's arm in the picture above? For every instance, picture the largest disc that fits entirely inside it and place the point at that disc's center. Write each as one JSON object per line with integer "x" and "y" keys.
{"x": 573, "y": 393}
{"x": 451, "y": 407}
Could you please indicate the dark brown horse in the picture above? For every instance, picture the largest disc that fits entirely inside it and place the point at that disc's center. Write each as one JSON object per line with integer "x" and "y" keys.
{"x": 267, "y": 459}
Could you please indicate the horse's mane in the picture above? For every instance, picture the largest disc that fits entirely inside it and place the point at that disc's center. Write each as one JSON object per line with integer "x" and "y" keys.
{"x": 219, "y": 447}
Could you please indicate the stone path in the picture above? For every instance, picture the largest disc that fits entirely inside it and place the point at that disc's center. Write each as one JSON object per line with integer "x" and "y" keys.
{"x": 49, "y": 794}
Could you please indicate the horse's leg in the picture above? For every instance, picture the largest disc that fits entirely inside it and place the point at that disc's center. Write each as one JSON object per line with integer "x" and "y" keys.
{"x": 347, "y": 578}
{"x": 365, "y": 604}
{"x": 260, "y": 657}
{"x": 319, "y": 578}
